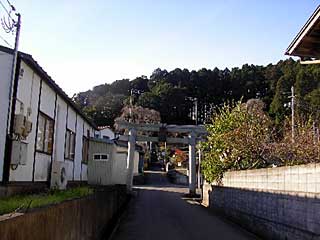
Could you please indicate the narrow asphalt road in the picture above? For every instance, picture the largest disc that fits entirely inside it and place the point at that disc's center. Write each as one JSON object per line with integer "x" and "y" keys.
{"x": 159, "y": 211}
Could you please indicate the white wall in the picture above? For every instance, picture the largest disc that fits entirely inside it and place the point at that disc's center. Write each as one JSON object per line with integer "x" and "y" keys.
{"x": 78, "y": 149}
{"x": 77, "y": 171}
{"x": 300, "y": 178}
{"x": 100, "y": 172}
{"x": 64, "y": 116}
{"x": 119, "y": 168}
{"x": 282, "y": 201}
{"x": 47, "y": 106}
{"x": 71, "y": 125}
{"x": 27, "y": 93}
{"x": 5, "y": 67}
{"x": 60, "y": 129}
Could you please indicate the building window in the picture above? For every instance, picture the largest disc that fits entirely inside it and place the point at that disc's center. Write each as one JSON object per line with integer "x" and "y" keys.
{"x": 85, "y": 150}
{"x": 70, "y": 144}
{"x": 101, "y": 157}
{"x": 45, "y": 134}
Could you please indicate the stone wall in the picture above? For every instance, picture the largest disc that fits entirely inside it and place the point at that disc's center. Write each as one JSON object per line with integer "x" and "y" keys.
{"x": 275, "y": 203}
{"x": 178, "y": 177}
{"x": 79, "y": 219}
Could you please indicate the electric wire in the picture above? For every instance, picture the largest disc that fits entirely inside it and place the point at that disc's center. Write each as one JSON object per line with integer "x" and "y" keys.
{"x": 8, "y": 12}
{"x": 5, "y": 41}
{"x": 4, "y": 8}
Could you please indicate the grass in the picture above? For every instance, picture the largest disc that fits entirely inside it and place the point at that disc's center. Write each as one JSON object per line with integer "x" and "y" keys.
{"x": 21, "y": 203}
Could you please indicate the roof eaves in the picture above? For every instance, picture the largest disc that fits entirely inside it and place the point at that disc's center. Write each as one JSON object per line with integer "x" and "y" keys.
{"x": 55, "y": 86}
{"x": 36, "y": 67}
{"x": 304, "y": 30}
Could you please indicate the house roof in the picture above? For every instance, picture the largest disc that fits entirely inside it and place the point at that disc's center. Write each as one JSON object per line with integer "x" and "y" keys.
{"x": 101, "y": 140}
{"x": 124, "y": 144}
{"x": 28, "y": 59}
{"x": 104, "y": 127}
{"x": 307, "y": 43}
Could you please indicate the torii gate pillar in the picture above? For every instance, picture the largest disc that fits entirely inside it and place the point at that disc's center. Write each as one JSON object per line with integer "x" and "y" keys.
{"x": 130, "y": 158}
{"x": 192, "y": 164}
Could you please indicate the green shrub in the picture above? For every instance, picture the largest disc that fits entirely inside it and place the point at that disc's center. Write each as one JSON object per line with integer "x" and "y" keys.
{"x": 237, "y": 139}
{"x": 21, "y": 203}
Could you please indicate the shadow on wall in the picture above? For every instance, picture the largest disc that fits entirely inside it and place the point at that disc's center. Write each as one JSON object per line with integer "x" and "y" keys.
{"x": 165, "y": 188}
{"x": 85, "y": 218}
{"x": 270, "y": 214}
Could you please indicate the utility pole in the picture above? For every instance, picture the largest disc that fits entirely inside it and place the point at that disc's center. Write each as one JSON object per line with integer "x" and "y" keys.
{"x": 194, "y": 113}
{"x": 130, "y": 108}
{"x": 292, "y": 114}
{"x": 13, "y": 69}
{"x": 199, "y": 168}
{"x": 132, "y": 91}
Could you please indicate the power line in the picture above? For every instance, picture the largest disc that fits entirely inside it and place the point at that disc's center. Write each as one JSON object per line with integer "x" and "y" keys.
{"x": 6, "y": 41}
{"x": 4, "y": 7}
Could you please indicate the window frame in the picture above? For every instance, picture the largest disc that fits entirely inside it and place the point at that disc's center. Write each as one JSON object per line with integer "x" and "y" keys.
{"x": 101, "y": 157}
{"x": 85, "y": 146}
{"x": 70, "y": 145}
{"x": 45, "y": 142}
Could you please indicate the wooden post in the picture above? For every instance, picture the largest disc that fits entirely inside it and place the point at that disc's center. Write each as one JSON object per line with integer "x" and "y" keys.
{"x": 130, "y": 158}
{"x": 192, "y": 164}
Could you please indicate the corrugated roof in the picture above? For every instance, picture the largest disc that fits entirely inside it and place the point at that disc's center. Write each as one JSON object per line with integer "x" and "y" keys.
{"x": 28, "y": 59}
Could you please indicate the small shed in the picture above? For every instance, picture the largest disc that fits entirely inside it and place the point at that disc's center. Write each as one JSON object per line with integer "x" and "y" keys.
{"x": 108, "y": 161}
{"x": 120, "y": 157}
{"x": 100, "y": 164}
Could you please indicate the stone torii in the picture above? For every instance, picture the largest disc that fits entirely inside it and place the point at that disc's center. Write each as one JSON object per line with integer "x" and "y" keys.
{"x": 195, "y": 134}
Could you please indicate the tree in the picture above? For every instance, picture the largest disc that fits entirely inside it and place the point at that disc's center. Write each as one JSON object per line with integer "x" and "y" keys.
{"x": 237, "y": 139}
{"x": 169, "y": 92}
{"x": 140, "y": 83}
{"x": 138, "y": 114}
{"x": 120, "y": 87}
{"x": 170, "y": 101}
{"x": 278, "y": 106}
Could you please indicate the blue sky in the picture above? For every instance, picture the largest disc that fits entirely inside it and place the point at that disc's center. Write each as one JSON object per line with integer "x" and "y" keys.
{"x": 85, "y": 43}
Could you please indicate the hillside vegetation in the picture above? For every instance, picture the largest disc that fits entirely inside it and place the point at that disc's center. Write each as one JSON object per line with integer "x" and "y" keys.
{"x": 171, "y": 93}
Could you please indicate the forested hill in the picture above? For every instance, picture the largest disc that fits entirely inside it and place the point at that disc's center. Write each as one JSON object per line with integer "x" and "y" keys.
{"x": 171, "y": 93}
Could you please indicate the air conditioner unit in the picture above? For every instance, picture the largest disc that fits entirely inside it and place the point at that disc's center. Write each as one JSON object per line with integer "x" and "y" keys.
{"x": 27, "y": 129}
{"x": 59, "y": 175}
{"x": 19, "y": 124}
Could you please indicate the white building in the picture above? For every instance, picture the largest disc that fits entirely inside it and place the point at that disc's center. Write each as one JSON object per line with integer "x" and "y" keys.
{"x": 59, "y": 132}
{"x": 111, "y": 167}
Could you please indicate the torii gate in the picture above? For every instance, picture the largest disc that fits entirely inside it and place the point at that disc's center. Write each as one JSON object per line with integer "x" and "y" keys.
{"x": 195, "y": 134}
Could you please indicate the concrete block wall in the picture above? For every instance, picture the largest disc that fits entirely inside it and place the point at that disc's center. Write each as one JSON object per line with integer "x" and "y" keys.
{"x": 301, "y": 178}
{"x": 275, "y": 203}
{"x": 79, "y": 219}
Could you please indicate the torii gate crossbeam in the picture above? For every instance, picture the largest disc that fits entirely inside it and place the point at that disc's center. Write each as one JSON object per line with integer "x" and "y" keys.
{"x": 194, "y": 135}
